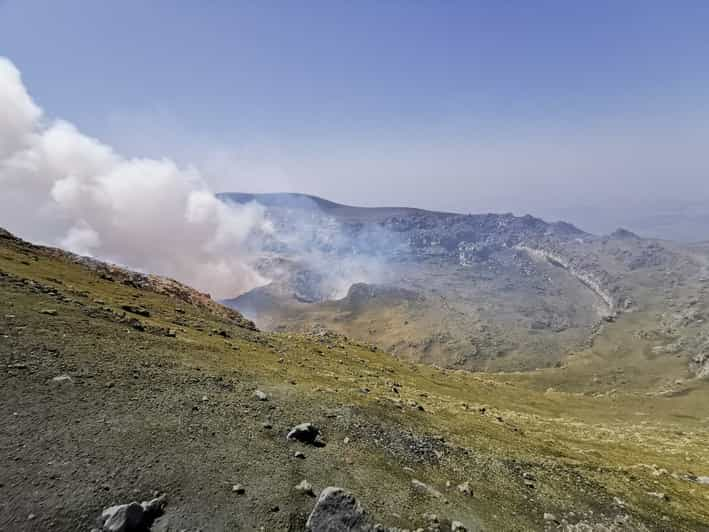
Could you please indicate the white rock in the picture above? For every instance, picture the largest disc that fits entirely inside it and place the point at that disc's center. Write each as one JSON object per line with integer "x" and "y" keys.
{"x": 305, "y": 487}
{"x": 305, "y": 432}
{"x": 465, "y": 489}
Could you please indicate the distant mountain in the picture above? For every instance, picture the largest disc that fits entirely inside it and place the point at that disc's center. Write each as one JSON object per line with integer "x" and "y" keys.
{"x": 493, "y": 291}
{"x": 294, "y": 200}
{"x": 669, "y": 219}
{"x": 306, "y": 202}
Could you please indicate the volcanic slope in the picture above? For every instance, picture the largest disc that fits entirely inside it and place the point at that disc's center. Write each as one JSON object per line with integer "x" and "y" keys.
{"x": 117, "y": 385}
{"x": 492, "y": 292}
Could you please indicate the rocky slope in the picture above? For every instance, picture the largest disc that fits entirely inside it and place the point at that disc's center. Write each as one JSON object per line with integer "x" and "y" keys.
{"x": 117, "y": 392}
{"x": 492, "y": 292}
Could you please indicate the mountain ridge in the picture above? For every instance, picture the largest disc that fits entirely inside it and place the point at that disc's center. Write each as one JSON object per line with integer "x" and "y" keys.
{"x": 496, "y": 290}
{"x": 309, "y": 201}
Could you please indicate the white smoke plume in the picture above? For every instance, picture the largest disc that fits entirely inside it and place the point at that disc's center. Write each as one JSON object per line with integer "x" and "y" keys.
{"x": 60, "y": 187}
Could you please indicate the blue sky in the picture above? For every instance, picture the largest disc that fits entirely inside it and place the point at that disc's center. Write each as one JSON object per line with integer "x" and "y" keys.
{"x": 554, "y": 108}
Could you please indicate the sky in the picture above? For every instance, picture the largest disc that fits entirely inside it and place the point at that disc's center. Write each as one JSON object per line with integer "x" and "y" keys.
{"x": 592, "y": 112}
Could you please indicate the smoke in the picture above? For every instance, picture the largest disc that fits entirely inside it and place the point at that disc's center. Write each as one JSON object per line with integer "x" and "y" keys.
{"x": 61, "y": 187}
{"x": 316, "y": 255}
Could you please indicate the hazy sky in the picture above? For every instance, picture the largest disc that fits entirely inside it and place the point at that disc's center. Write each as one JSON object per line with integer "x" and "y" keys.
{"x": 595, "y": 112}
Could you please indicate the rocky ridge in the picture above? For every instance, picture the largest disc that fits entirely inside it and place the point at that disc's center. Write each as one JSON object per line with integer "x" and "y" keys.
{"x": 492, "y": 291}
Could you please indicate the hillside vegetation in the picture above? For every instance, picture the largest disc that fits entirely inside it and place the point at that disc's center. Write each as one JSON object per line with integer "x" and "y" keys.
{"x": 116, "y": 386}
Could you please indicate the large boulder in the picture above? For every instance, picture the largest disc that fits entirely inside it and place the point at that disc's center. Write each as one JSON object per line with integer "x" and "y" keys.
{"x": 131, "y": 517}
{"x": 337, "y": 510}
{"x": 122, "y": 518}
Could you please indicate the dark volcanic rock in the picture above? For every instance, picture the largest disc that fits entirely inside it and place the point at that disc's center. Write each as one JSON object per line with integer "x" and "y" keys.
{"x": 133, "y": 309}
{"x": 136, "y": 324}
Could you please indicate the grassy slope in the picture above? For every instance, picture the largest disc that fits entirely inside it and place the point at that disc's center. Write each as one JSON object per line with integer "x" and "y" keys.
{"x": 149, "y": 412}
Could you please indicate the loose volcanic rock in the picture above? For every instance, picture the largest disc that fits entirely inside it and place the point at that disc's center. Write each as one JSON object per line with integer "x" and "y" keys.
{"x": 140, "y": 311}
{"x": 305, "y": 432}
{"x": 131, "y": 517}
{"x": 305, "y": 487}
{"x": 336, "y": 510}
{"x": 122, "y": 518}
{"x": 425, "y": 489}
{"x": 465, "y": 489}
